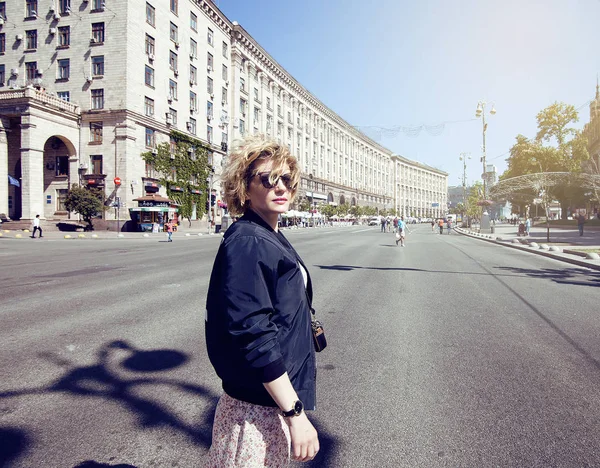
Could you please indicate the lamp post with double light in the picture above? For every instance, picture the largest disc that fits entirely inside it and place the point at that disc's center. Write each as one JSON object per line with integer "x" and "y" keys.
{"x": 480, "y": 112}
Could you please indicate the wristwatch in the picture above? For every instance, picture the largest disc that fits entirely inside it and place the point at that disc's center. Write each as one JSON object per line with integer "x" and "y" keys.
{"x": 297, "y": 408}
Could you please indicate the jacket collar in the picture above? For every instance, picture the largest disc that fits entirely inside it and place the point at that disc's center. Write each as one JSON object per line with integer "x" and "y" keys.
{"x": 251, "y": 216}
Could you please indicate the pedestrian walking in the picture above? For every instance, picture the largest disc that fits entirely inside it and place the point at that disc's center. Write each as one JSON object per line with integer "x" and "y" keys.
{"x": 382, "y": 224}
{"x": 441, "y": 225}
{"x": 395, "y": 224}
{"x": 401, "y": 234}
{"x": 37, "y": 227}
{"x": 432, "y": 225}
{"x": 170, "y": 231}
{"x": 527, "y": 226}
{"x": 449, "y": 225}
{"x": 258, "y": 319}
{"x": 580, "y": 222}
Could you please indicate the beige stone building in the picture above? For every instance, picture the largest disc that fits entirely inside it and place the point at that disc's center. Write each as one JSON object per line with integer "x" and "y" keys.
{"x": 86, "y": 86}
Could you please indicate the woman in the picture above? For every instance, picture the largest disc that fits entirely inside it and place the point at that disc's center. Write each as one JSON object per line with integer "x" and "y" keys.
{"x": 258, "y": 319}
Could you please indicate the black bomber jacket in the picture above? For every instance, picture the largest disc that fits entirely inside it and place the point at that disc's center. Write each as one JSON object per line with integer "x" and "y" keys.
{"x": 258, "y": 321}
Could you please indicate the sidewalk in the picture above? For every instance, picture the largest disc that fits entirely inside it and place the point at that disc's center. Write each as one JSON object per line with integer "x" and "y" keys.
{"x": 563, "y": 243}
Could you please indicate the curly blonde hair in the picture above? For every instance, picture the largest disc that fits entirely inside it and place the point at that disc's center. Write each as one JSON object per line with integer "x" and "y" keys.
{"x": 241, "y": 167}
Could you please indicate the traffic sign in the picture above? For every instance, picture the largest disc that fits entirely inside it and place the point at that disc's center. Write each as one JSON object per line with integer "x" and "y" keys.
{"x": 117, "y": 181}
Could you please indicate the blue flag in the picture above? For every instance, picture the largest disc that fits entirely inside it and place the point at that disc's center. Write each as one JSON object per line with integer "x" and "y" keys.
{"x": 13, "y": 181}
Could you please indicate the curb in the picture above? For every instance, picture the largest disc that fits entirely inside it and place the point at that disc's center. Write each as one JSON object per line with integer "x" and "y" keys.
{"x": 543, "y": 253}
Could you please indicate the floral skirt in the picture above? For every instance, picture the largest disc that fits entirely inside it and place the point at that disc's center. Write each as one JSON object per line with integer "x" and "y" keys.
{"x": 248, "y": 436}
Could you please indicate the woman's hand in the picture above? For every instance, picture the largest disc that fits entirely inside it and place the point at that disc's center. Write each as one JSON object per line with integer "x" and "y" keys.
{"x": 305, "y": 440}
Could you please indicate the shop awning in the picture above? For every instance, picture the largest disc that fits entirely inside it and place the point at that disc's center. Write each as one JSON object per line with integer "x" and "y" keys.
{"x": 162, "y": 209}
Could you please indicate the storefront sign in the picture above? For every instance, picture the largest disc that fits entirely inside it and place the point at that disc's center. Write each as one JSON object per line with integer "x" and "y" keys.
{"x": 149, "y": 203}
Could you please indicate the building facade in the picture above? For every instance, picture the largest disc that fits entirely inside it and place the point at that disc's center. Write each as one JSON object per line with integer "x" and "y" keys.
{"x": 86, "y": 86}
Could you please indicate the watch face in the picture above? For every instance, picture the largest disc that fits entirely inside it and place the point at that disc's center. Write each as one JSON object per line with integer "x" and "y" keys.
{"x": 298, "y": 407}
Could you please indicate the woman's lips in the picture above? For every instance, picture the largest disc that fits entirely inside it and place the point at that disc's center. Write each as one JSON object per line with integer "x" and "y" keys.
{"x": 280, "y": 200}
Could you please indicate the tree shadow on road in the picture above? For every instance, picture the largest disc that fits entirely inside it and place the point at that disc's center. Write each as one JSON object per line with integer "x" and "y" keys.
{"x": 574, "y": 276}
{"x": 99, "y": 381}
{"x": 104, "y": 380}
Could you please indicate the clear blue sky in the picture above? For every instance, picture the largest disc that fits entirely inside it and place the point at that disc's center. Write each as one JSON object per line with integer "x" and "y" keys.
{"x": 392, "y": 63}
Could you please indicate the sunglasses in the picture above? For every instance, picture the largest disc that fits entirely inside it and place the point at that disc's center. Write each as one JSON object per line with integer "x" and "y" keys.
{"x": 266, "y": 183}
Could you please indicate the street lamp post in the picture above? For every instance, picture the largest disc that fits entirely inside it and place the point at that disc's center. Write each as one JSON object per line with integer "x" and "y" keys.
{"x": 480, "y": 112}
{"x": 463, "y": 157}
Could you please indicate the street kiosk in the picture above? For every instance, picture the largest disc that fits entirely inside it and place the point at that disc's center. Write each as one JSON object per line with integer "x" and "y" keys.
{"x": 153, "y": 212}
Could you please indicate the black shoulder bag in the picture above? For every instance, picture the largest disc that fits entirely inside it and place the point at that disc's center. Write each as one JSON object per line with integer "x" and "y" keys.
{"x": 318, "y": 332}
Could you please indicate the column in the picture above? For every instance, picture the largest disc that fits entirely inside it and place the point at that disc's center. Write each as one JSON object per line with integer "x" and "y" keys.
{"x": 32, "y": 171}
{"x": 3, "y": 170}
{"x": 236, "y": 64}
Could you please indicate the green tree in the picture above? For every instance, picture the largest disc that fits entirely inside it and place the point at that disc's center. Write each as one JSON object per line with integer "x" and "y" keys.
{"x": 556, "y": 148}
{"x": 327, "y": 210}
{"x": 86, "y": 202}
{"x": 303, "y": 205}
{"x": 472, "y": 209}
{"x": 183, "y": 164}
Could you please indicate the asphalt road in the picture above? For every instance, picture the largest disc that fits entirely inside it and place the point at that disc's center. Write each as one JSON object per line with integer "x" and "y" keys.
{"x": 448, "y": 352}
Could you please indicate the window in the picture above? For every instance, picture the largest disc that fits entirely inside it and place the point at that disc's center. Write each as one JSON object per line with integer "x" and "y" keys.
{"x": 2, "y": 43}
{"x": 150, "y": 47}
{"x": 209, "y": 85}
{"x": 174, "y": 6}
{"x": 243, "y": 105}
{"x": 148, "y": 106}
{"x": 225, "y": 49}
{"x": 192, "y": 126}
{"x": 269, "y": 123}
{"x": 3, "y": 10}
{"x": 209, "y": 133}
{"x": 223, "y": 137}
{"x": 209, "y": 61}
{"x": 210, "y": 37}
{"x": 31, "y": 39}
{"x": 149, "y": 76}
{"x": 256, "y": 115}
{"x": 224, "y": 95}
{"x": 64, "y": 95}
{"x": 209, "y": 109}
{"x": 98, "y": 4}
{"x": 173, "y": 34}
{"x": 269, "y": 103}
{"x": 289, "y": 117}
{"x": 64, "y": 36}
{"x": 193, "y": 74}
{"x": 242, "y": 84}
{"x": 97, "y": 98}
{"x": 224, "y": 72}
{"x": 31, "y": 8}
{"x": 63, "y": 69}
{"x": 61, "y": 199}
{"x": 96, "y": 163}
{"x": 173, "y": 90}
{"x": 173, "y": 60}
{"x": 150, "y": 138}
{"x": 193, "y": 48}
{"x": 150, "y": 14}
{"x": 279, "y": 113}
{"x": 62, "y": 166}
{"x": 64, "y": 6}
{"x": 2, "y": 75}
{"x": 30, "y": 70}
{"x": 98, "y": 65}
{"x": 193, "y": 21}
{"x": 98, "y": 32}
{"x": 193, "y": 101}
{"x": 173, "y": 114}
{"x": 96, "y": 132}
{"x": 242, "y": 127}
{"x": 256, "y": 94}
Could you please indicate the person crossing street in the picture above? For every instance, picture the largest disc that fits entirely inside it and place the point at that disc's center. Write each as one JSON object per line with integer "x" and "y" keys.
{"x": 401, "y": 233}
{"x": 37, "y": 227}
